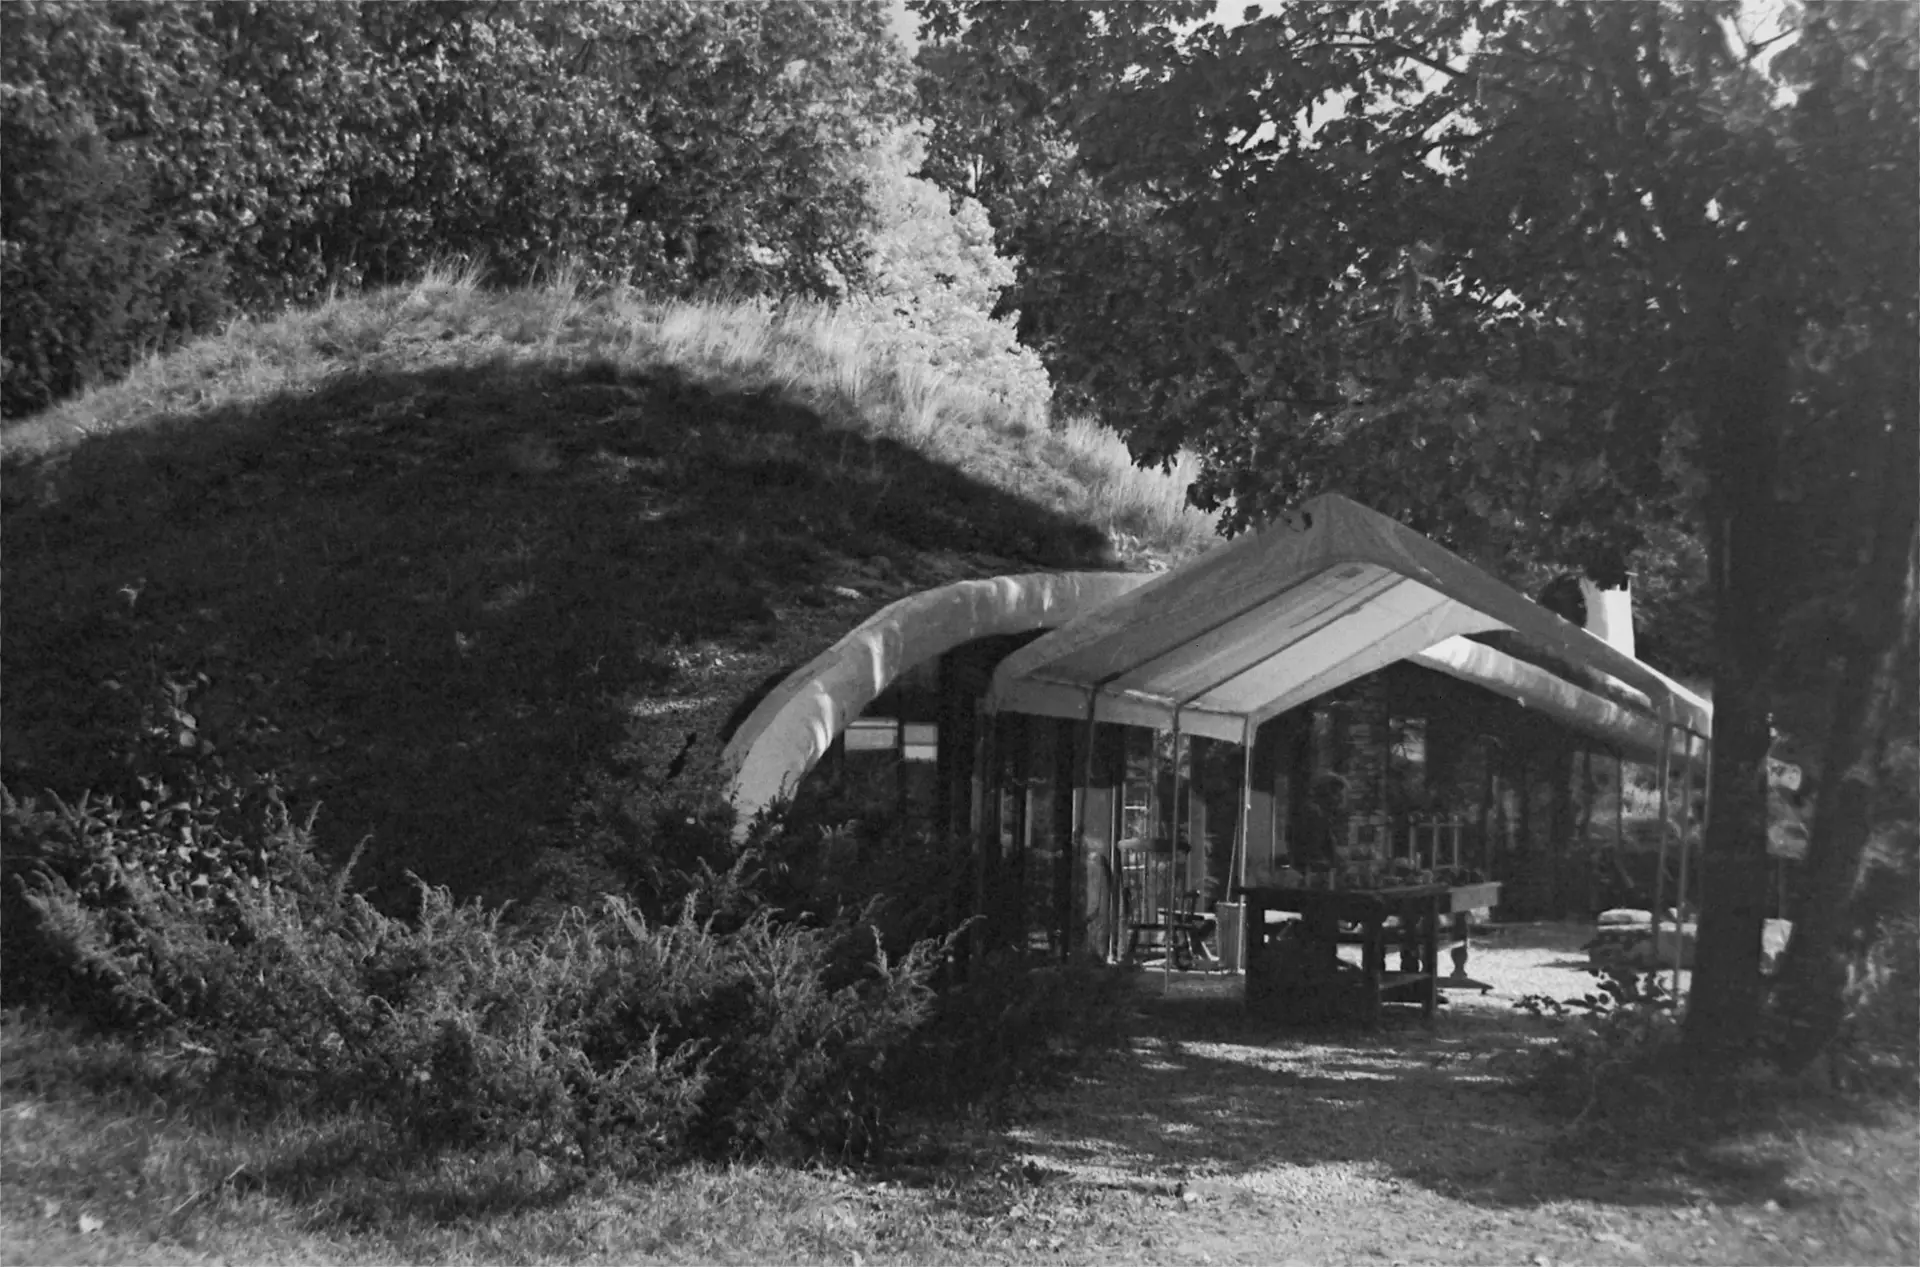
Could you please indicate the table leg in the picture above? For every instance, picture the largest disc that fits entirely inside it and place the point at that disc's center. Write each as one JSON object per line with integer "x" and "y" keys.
{"x": 1459, "y": 980}
{"x": 1253, "y": 943}
{"x": 1430, "y": 956}
{"x": 1323, "y": 935}
{"x": 1373, "y": 963}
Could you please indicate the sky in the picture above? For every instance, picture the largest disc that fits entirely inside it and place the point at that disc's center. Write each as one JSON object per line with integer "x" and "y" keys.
{"x": 904, "y": 25}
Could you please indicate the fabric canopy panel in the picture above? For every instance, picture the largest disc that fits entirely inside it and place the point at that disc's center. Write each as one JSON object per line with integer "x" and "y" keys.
{"x": 1633, "y": 735}
{"x": 1331, "y": 592}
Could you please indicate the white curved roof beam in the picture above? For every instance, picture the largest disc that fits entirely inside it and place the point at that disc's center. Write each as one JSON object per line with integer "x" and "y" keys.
{"x": 792, "y": 728}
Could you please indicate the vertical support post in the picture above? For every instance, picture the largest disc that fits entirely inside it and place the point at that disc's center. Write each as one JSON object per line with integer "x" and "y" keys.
{"x": 1237, "y": 865}
{"x": 1063, "y": 827}
{"x": 1488, "y": 746}
{"x": 1706, "y": 811}
{"x": 1149, "y": 892}
{"x": 1193, "y": 819}
{"x": 1619, "y": 807}
{"x": 1170, "y": 914}
{"x": 1660, "y": 872}
{"x": 984, "y": 786}
{"x": 1015, "y": 856}
{"x": 1680, "y": 898}
{"x": 1076, "y": 933}
{"x": 1587, "y": 852}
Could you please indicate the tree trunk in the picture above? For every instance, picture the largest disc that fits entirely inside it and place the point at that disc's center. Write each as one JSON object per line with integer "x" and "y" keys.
{"x": 1746, "y": 390}
{"x": 1811, "y": 988}
{"x": 1724, "y": 1006}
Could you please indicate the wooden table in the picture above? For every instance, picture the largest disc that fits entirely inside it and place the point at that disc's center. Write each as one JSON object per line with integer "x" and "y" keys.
{"x": 1295, "y": 967}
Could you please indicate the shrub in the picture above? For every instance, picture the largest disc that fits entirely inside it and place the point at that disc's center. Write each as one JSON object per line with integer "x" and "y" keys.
{"x": 699, "y": 1019}
{"x": 604, "y": 1039}
{"x": 1010, "y": 1021}
{"x": 1614, "y": 1056}
{"x": 1016, "y": 1023}
{"x": 100, "y": 892}
{"x": 774, "y": 999}
{"x": 1879, "y": 1043}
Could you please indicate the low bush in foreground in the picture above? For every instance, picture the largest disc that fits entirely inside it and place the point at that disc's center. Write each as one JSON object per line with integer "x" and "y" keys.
{"x": 605, "y": 1038}
{"x": 1616, "y": 1053}
{"x": 1618, "y": 1064}
{"x": 742, "y": 1009}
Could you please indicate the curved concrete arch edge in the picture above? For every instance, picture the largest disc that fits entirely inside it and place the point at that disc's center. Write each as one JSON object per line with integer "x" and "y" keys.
{"x": 792, "y": 728}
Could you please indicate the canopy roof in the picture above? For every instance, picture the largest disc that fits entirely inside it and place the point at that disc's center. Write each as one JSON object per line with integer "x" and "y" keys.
{"x": 1329, "y": 593}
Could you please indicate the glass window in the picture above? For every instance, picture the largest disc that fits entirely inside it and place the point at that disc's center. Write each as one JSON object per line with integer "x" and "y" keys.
{"x": 921, "y": 741}
{"x": 873, "y": 734}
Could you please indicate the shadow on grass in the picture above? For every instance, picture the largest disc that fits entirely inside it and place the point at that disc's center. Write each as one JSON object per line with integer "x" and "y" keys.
{"x": 1213, "y": 1091}
{"x": 433, "y": 601}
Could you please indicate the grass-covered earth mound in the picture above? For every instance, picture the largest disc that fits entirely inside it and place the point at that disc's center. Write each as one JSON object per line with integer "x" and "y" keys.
{"x": 439, "y": 558}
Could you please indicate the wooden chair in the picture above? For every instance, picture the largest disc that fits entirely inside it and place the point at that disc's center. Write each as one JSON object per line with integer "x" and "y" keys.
{"x": 1178, "y": 932}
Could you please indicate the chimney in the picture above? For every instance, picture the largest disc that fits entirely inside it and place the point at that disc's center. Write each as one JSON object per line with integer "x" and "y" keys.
{"x": 1610, "y": 614}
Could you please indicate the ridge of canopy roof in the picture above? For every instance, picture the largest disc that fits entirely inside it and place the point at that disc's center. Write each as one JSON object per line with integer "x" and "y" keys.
{"x": 1325, "y": 594}
{"x": 1634, "y": 735}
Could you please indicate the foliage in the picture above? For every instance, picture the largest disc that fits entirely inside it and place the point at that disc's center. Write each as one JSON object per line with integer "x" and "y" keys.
{"x": 606, "y": 1038}
{"x": 1006, "y": 1021}
{"x": 286, "y": 149}
{"x": 735, "y": 1003}
{"x": 1005, "y": 87}
{"x": 1014, "y": 1025}
{"x": 933, "y": 278}
{"x": 93, "y": 275}
{"x": 1614, "y": 1055}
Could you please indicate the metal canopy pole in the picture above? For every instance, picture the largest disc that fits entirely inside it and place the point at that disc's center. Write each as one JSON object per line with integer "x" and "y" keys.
{"x": 1086, "y": 804}
{"x": 1237, "y": 866}
{"x": 1619, "y": 807}
{"x": 1660, "y": 873}
{"x": 1239, "y": 872}
{"x": 1173, "y": 855}
{"x": 986, "y": 824}
{"x": 1148, "y": 898}
{"x": 1680, "y": 898}
{"x": 1706, "y": 805}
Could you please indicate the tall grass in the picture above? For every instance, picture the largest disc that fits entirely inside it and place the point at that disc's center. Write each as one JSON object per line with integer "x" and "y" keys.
{"x": 1142, "y": 504}
{"x": 842, "y": 362}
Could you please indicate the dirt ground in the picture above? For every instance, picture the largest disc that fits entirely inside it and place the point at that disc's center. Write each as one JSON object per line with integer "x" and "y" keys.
{"x": 1223, "y": 1139}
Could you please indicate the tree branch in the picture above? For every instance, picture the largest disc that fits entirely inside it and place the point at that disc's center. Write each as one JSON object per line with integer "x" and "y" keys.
{"x": 1398, "y": 49}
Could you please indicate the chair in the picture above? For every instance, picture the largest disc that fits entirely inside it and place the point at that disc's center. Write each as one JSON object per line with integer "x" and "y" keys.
{"x": 1192, "y": 927}
{"x": 1181, "y": 933}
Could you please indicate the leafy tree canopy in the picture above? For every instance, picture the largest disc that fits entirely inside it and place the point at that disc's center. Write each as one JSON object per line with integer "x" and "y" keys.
{"x": 1555, "y": 284}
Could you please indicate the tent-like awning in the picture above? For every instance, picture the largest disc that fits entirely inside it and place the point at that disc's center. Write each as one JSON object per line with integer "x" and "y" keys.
{"x": 1327, "y": 594}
